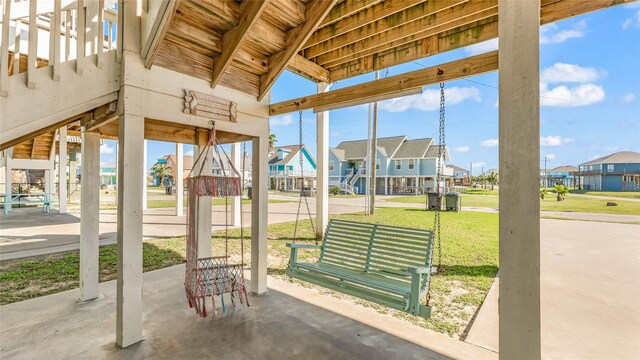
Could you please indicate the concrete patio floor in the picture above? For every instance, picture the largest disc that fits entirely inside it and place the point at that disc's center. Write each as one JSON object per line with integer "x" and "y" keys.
{"x": 290, "y": 322}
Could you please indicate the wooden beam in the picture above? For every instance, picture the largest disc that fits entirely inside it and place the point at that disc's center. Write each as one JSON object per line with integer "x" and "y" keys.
{"x": 457, "y": 69}
{"x": 100, "y": 116}
{"x": 397, "y": 26}
{"x": 345, "y": 9}
{"x": 376, "y": 16}
{"x": 233, "y": 39}
{"x": 157, "y": 29}
{"x": 308, "y": 69}
{"x": 315, "y": 11}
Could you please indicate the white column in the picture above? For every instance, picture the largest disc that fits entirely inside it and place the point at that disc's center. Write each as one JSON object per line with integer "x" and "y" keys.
{"x": 89, "y": 216}
{"x": 62, "y": 171}
{"x": 117, "y": 171}
{"x": 322, "y": 168}
{"x": 236, "y": 206}
{"x": 129, "y": 284}
{"x": 204, "y": 203}
{"x": 179, "y": 180}
{"x": 144, "y": 177}
{"x": 386, "y": 185}
{"x": 73, "y": 174}
{"x": 519, "y": 154}
{"x": 259, "y": 213}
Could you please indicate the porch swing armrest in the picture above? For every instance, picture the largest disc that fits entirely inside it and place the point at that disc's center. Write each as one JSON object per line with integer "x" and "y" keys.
{"x": 304, "y": 246}
{"x": 418, "y": 269}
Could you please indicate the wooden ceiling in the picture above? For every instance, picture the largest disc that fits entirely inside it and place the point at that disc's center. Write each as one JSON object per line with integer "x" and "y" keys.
{"x": 246, "y": 45}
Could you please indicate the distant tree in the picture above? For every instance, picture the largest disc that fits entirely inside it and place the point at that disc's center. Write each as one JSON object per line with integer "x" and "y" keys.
{"x": 352, "y": 164}
{"x": 162, "y": 171}
{"x": 492, "y": 179}
{"x": 561, "y": 192}
{"x": 543, "y": 193}
{"x": 482, "y": 179}
{"x": 272, "y": 142}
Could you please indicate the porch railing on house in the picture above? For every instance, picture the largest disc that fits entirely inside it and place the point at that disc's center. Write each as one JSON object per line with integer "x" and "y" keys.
{"x": 292, "y": 173}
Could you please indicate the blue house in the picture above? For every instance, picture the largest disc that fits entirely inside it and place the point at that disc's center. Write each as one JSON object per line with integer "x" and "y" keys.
{"x": 561, "y": 175}
{"x": 616, "y": 172}
{"x": 285, "y": 172}
{"x": 402, "y": 165}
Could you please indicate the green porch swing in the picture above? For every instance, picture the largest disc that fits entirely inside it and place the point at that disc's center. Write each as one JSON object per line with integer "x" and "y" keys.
{"x": 387, "y": 265}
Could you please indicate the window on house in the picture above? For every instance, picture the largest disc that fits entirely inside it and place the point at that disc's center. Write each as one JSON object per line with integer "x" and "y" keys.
{"x": 377, "y": 164}
{"x": 398, "y": 164}
{"x": 411, "y": 164}
{"x": 330, "y": 165}
{"x": 610, "y": 168}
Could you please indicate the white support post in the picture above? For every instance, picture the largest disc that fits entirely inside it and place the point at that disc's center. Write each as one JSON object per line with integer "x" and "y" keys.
{"x": 129, "y": 283}
{"x": 81, "y": 30}
{"x": 89, "y": 216}
{"x": 4, "y": 49}
{"x": 386, "y": 185}
{"x": 33, "y": 45}
{"x": 62, "y": 171}
{"x": 16, "y": 47}
{"x": 8, "y": 179}
{"x": 144, "y": 177}
{"x": 519, "y": 154}
{"x": 259, "y": 211}
{"x": 204, "y": 202}
{"x": 236, "y": 205}
{"x": 179, "y": 179}
{"x": 55, "y": 44}
{"x": 322, "y": 168}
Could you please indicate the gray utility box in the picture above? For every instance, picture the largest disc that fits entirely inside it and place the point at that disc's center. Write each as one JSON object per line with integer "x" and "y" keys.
{"x": 432, "y": 203}
{"x": 453, "y": 201}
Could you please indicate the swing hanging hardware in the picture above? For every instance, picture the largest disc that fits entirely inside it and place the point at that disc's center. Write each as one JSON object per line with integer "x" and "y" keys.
{"x": 440, "y": 71}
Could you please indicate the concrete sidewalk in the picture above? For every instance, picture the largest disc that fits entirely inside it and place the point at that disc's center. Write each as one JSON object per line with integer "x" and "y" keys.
{"x": 590, "y": 283}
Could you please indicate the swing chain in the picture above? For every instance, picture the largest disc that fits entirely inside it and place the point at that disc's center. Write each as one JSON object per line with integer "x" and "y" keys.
{"x": 301, "y": 158}
{"x": 441, "y": 145}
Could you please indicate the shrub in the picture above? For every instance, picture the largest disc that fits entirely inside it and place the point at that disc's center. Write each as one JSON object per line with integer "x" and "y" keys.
{"x": 334, "y": 190}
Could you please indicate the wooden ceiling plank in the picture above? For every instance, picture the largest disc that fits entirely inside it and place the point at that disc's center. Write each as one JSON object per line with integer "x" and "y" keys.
{"x": 345, "y": 9}
{"x": 350, "y": 53}
{"x": 233, "y": 39}
{"x": 160, "y": 26}
{"x": 308, "y": 69}
{"x": 457, "y": 69}
{"x": 315, "y": 11}
{"x": 373, "y": 14}
{"x": 400, "y": 25}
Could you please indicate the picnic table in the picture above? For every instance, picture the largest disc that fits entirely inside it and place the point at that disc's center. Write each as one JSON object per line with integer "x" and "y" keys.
{"x": 8, "y": 200}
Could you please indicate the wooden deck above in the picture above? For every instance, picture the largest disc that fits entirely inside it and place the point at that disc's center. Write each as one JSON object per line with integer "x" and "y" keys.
{"x": 246, "y": 45}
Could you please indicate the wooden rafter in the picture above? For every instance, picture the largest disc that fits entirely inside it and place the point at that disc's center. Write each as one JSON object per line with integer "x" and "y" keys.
{"x": 233, "y": 39}
{"x": 101, "y": 116}
{"x": 315, "y": 11}
{"x": 345, "y": 9}
{"x": 457, "y": 69}
{"x": 308, "y": 69}
{"x": 158, "y": 29}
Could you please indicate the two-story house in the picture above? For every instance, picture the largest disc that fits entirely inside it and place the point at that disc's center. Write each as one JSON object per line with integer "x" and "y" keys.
{"x": 402, "y": 165}
{"x": 561, "y": 175}
{"x": 460, "y": 176}
{"x": 285, "y": 172}
{"x": 616, "y": 172}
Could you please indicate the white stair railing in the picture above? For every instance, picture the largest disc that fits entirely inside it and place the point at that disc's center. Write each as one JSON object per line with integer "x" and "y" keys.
{"x": 59, "y": 20}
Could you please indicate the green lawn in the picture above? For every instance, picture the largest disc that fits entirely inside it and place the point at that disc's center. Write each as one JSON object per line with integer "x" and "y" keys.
{"x": 619, "y": 194}
{"x": 169, "y": 203}
{"x": 571, "y": 203}
{"x": 470, "y": 259}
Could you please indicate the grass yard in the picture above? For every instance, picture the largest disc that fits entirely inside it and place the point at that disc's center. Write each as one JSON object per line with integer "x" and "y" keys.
{"x": 618, "y": 194}
{"x": 549, "y": 203}
{"x": 170, "y": 203}
{"x": 470, "y": 259}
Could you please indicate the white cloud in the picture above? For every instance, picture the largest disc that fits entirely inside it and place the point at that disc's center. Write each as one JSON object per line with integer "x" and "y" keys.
{"x": 632, "y": 22}
{"x": 482, "y": 47}
{"x": 489, "y": 143}
{"x": 429, "y": 99}
{"x": 629, "y": 97}
{"x": 561, "y": 72}
{"x": 463, "y": 149}
{"x": 563, "y": 96}
{"x": 553, "y": 140}
{"x": 105, "y": 149}
{"x": 547, "y": 36}
{"x": 550, "y": 156}
{"x": 478, "y": 164}
{"x": 283, "y": 120}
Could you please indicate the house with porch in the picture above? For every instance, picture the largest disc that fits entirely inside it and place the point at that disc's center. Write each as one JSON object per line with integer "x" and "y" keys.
{"x": 561, "y": 175}
{"x": 108, "y": 174}
{"x": 619, "y": 171}
{"x": 403, "y": 166}
{"x": 285, "y": 172}
{"x": 460, "y": 176}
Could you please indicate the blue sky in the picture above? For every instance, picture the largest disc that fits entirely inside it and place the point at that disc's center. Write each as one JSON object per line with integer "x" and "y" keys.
{"x": 590, "y": 99}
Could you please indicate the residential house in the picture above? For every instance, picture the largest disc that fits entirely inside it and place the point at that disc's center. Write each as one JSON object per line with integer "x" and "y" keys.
{"x": 108, "y": 174}
{"x": 402, "y": 165}
{"x": 170, "y": 160}
{"x": 285, "y": 172}
{"x": 217, "y": 170}
{"x": 563, "y": 175}
{"x": 615, "y": 172}
{"x": 460, "y": 175}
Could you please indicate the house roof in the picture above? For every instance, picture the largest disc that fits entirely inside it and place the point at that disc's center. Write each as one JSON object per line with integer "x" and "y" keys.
{"x": 564, "y": 168}
{"x": 457, "y": 168}
{"x": 433, "y": 152}
{"x": 488, "y": 172}
{"x": 357, "y": 149}
{"x": 293, "y": 152}
{"x": 621, "y": 157}
{"x": 339, "y": 153}
{"x": 413, "y": 149}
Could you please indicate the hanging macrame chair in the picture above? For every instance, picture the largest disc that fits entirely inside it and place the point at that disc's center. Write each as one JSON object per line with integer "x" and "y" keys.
{"x": 212, "y": 276}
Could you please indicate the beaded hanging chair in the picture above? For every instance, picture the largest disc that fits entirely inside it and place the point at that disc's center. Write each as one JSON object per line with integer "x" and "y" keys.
{"x": 212, "y": 276}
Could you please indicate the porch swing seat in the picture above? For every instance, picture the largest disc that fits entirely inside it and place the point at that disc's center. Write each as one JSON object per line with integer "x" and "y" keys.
{"x": 383, "y": 264}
